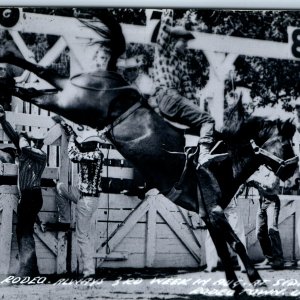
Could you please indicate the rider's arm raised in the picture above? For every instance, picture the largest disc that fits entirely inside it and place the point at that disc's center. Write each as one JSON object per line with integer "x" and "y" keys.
{"x": 8, "y": 129}
{"x": 164, "y": 33}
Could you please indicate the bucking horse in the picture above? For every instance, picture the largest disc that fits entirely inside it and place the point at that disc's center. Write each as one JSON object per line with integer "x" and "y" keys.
{"x": 102, "y": 99}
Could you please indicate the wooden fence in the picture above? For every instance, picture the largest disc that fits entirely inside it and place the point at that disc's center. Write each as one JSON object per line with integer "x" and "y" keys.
{"x": 149, "y": 233}
{"x": 128, "y": 232}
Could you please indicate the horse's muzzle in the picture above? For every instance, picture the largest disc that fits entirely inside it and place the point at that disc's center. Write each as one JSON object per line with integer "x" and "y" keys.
{"x": 287, "y": 168}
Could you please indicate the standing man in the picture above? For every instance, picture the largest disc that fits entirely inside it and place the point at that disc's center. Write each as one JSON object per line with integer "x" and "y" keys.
{"x": 174, "y": 92}
{"x": 267, "y": 231}
{"x": 32, "y": 162}
{"x": 90, "y": 159}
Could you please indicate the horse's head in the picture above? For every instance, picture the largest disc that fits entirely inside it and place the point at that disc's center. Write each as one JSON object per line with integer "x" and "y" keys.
{"x": 268, "y": 135}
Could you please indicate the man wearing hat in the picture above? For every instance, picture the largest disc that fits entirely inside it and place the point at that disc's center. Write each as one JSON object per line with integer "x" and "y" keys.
{"x": 90, "y": 159}
{"x": 132, "y": 70}
{"x": 32, "y": 162}
{"x": 174, "y": 92}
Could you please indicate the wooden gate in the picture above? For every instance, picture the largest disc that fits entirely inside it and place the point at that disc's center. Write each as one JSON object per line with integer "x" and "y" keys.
{"x": 152, "y": 233}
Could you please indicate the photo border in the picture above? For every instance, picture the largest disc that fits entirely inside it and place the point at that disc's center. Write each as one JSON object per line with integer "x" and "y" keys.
{"x": 203, "y": 4}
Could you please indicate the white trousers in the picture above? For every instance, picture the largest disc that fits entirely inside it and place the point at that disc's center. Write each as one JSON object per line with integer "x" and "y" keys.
{"x": 85, "y": 210}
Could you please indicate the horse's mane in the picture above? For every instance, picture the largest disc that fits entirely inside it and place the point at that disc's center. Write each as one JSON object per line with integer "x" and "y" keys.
{"x": 239, "y": 126}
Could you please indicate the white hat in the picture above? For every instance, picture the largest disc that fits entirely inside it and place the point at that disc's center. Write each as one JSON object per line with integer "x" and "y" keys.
{"x": 180, "y": 32}
{"x": 90, "y": 135}
{"x": 93, "y": 138}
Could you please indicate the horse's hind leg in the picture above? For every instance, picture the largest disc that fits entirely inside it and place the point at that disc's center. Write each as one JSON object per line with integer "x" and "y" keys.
{"x": 223, "y": 253}
{"x": 235, "y": 243}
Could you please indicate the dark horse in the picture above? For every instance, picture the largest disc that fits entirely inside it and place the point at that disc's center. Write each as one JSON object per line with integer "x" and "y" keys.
{"x": 103, "y": 99}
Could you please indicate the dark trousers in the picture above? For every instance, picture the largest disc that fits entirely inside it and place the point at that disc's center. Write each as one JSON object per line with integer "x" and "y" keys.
{"x": 179, "y": 109}
{"x": 267, "y": 229}
{"x": 30, "y": 204}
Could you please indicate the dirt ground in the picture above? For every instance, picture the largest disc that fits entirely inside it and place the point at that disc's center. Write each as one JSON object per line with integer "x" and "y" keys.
{"x": 162, "y": 284}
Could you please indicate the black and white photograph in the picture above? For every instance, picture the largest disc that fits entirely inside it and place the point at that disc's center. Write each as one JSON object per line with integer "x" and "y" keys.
{"x": 149, "y": 153}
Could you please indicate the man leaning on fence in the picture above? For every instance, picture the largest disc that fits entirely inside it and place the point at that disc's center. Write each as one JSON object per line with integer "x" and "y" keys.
{"x": 32, "y": 162}
{"x": 90, "y": 159}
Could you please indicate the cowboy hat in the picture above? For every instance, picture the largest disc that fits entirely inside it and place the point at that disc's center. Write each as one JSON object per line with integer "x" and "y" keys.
{"x": 92, "y": 138}
{"x": 179, "y": 32}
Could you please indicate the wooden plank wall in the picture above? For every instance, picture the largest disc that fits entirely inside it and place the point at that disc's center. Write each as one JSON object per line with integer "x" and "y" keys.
{"x": 157, "y": 234}
{"x": 169, "y": 251}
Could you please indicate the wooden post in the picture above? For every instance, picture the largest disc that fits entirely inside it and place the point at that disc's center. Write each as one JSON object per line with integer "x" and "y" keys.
{"x": 297, "y": 230}
{"x": 220, "y": 66}
{"x": 8, "y": 204}
{"x": 151, "y": 233}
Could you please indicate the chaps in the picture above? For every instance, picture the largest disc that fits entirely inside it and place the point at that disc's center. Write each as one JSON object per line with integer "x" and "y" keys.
{"x": 30, "y": 204}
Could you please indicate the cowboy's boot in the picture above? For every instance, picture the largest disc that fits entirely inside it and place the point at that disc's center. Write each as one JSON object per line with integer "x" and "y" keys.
{"x": 205, "y": 146}
{"x": 278, "y": 260}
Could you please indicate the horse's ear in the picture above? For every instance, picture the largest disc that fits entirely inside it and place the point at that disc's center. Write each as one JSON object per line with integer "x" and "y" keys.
{"x": 234, "y": 117}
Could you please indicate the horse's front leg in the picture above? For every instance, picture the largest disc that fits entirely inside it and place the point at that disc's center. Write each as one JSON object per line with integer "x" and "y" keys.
{"x": 223, "y": 252}
{"x": 240, "y": 249}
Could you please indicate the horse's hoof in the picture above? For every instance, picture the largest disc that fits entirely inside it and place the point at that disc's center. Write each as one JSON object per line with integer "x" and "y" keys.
{"x": 259, "y": 284}
{"x": 255, "y": 278}
{"x": 239, "y": 292}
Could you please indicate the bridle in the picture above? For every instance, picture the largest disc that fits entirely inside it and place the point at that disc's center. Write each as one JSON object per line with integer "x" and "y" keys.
{"x": 280, "y": 167}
